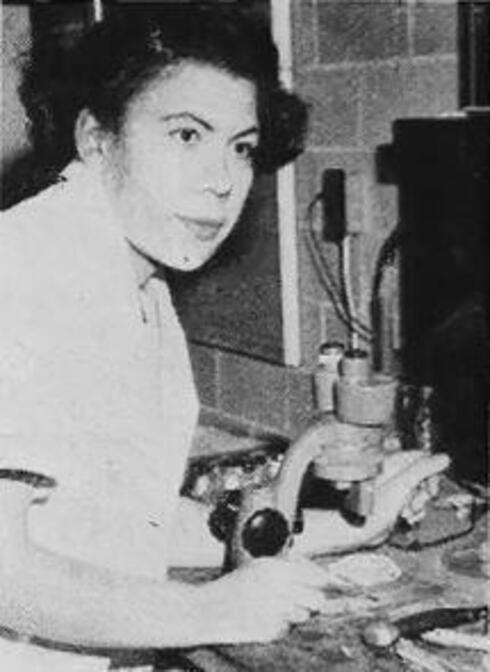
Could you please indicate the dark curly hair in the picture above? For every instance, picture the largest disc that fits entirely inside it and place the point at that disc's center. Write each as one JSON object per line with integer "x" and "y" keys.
{"x": 115, "y": 59}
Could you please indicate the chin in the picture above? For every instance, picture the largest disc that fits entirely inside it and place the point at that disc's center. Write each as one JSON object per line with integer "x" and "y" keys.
{"x": 196, "y": 256}
{"x": 182, "y": 255}
{"x": 186, "y": 262}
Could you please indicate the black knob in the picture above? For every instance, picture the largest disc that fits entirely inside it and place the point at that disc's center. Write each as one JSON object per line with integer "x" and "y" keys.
{"x": 266, "y": 532}
{"x": 222, "y": 520}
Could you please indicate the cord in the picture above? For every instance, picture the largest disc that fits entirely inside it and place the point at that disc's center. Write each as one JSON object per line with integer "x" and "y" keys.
{"x": 345, "y": 254}
{"x": 416, "y": 545}
{"x": 329, "y": 283}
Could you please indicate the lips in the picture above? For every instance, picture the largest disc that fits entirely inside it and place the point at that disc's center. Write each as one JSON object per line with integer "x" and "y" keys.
{"x": 203, "y": 228}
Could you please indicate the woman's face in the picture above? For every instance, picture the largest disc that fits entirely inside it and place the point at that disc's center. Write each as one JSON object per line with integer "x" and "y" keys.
{"x": 181, "y": 167}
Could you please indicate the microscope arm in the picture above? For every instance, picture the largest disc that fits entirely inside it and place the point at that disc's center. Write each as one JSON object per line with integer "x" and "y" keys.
{"x": 265, "y": 521}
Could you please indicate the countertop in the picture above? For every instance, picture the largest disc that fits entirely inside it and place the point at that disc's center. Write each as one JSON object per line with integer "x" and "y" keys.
{"x": 333, "y": 642}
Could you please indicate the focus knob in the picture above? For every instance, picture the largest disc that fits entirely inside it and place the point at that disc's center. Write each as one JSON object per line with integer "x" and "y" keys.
{"x": 222, "y": 520}
{"x": 266, "y": 532}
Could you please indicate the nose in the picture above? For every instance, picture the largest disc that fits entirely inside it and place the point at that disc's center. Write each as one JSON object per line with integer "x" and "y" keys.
{"x": 217, "y": 177}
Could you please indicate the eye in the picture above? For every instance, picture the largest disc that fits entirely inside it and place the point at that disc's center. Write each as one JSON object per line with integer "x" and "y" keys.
{"x": 246, "y": 150}
{"x": 186, "y": 135}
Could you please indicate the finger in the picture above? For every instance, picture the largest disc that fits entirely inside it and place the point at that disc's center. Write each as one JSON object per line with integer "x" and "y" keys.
{"x": 298, "y": 614}
{"x": 416, "y": 469}
{"x": 424, "y": 468}
{"x": 412, "y": 518}
{"x": 311, "y": 599}
{"x": 288, "y": 570}
{"x": 307, "y": 572}
{"x": 432, "y": 485}
{"x": 399, "y": 461}
{"x": 403, "y": 460}
{"x": 420, "y": 498}
{"x": 415, "y": 509}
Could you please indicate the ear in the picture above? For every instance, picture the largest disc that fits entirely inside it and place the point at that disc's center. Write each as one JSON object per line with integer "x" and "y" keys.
{"x": 90, "y": 138}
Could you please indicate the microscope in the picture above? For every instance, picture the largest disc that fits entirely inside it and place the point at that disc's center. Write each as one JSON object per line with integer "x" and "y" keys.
{"x": 344, "y": 447}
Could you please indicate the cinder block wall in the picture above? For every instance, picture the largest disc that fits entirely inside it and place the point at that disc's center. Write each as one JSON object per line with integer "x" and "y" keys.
{"x": 15, "y": 43}
{"x": 361, "y": 64}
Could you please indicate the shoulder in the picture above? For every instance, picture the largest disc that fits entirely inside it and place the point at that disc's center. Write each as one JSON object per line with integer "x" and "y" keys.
{"x": 26, "y": 227}
{"x": 39, "y": 237}
{"x": 34, "y": 256}
{"x": 52, "y": 225}
{"x": 32, "y": 211}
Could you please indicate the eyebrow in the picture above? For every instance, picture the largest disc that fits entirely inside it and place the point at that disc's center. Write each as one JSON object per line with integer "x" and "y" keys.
{"x": 175, "y": 116}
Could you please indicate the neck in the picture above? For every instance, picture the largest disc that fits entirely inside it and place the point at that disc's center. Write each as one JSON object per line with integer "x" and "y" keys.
{"x": 143, "y": 267}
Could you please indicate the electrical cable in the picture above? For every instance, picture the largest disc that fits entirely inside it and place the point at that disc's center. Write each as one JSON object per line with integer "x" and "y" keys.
{"x": 415, "y": 544}
{"x": 345, "y": 266}
{"x": 323, "y": 265}
{"x": 329, "y": 283}
{"x": 334, "y": 294}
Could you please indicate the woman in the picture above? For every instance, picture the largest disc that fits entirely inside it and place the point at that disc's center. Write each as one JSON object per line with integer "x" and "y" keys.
{"x": 164, "y": 119}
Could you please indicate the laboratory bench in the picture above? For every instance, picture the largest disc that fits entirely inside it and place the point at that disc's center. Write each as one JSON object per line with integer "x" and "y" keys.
{"x": 444, "y": 562}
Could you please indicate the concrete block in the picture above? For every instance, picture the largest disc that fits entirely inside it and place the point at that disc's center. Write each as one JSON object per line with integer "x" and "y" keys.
{"x": 361, "y": 31}
{"x": 435, "y": 27}
{"x": 384, "y": 207}
{"x": 431, "y": 86}
{"x": 228, "y": 423}
{"x": 253, "y": 390}
{"x": 335, "y": 329}
{"x": 384, "y": 99}
{"x": 310, "y": 285}
{"x": 409, "y": 88}
{"x": 204, "y": 366}
{"x": 15, "y": 42}
{"x": 301, "y": 402}
{"x": 304, "y": 33}
{"x": 312, "y": 331}
{"x": 333, "y": 96}
{"x": 308, "y": 169}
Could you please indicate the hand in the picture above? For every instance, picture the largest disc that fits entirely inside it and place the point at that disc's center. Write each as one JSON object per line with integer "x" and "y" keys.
{"x": 260, "y": 600}
{"x": 408, "y": 480}
{"x": 424, "y": 488}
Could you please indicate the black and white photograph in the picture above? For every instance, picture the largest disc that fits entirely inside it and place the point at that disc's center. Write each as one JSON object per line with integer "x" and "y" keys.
{"x": 244, "y": 355}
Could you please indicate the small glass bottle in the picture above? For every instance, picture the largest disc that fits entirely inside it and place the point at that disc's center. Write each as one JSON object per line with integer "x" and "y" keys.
{"x": 326, "y": 375}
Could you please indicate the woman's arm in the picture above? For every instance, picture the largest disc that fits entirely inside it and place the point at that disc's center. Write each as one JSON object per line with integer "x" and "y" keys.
{"x": 58, "y": 598}
{"x": 71, "y": 602}
{"x": 192, "y": 543}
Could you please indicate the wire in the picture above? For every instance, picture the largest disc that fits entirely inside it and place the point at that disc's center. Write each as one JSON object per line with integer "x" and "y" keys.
{"x": 329, "y": 283}
{"x": 334, "y": 294}
{"x": 414, "y": 544}
{"x": 323, "y": 268}
{"x": 345, "y": 262}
